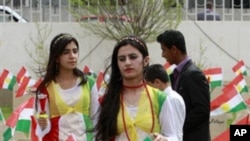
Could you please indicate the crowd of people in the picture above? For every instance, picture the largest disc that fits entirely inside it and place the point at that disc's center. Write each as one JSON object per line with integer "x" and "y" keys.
{"x": 140, "y": 101}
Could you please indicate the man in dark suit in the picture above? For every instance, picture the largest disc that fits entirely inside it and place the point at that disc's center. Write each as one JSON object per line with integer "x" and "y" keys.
{"x": 189, "y": 81}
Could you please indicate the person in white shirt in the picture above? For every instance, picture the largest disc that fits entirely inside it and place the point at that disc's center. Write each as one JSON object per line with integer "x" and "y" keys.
{"x": 157, "y": 77}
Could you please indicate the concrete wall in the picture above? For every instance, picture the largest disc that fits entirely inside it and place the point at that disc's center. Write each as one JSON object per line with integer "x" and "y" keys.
{"x": 223, "y": 41}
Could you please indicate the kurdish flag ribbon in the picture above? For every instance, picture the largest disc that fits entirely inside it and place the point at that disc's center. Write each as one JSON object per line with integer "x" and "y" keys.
{"x": 214, "y": 75}
{"x": 7, "y": 80}
{"x": 240, "y": 68}
{"x": 238, "y": 82}
{"x": 229, "y": 101}
{"x": 169, "y": 68}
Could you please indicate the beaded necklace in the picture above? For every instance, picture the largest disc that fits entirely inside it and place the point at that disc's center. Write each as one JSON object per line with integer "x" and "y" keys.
{"x": 151, "y": 107}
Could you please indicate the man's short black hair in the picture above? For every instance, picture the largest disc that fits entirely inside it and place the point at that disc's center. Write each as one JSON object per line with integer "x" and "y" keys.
{"x": 156, "y": 71}
{"x": 172, "y": 38}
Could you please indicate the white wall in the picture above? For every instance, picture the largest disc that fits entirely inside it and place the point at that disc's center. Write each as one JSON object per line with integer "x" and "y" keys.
{"x": 232, "y": 37}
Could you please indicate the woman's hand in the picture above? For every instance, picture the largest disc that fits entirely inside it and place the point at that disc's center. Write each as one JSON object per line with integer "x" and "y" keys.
{"x": 158, "y": 137}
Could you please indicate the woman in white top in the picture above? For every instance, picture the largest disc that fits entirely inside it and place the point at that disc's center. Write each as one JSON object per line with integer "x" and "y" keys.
{"x": 130, "y": 109}
{"x": 65, "y": 100}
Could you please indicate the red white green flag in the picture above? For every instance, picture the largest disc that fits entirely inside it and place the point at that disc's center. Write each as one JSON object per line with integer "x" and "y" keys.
{"x": 214, "y": 76}
{"x": 1, "y": 116}
{"x": 169, "y": 68}
{"x": 21, "y": 73}
{"x": 238, "y": 82}
{"x": 25, "y": 108}
{"x": 26, "y": 85}
{"x": 240, "y": 68}
{"x": 8, "y": 133}
{"x": 100, "y": 84}
{"x": 88, "y": 70}
{"x": 229, "y": 101}
{"x": 7, "y": 80}
{"x": 20, "y": 120}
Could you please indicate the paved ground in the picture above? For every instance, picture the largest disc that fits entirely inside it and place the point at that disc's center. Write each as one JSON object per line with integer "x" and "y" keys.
{"x": 17, "y": 137}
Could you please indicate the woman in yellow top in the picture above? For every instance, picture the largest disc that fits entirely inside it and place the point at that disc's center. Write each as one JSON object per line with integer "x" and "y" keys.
{"x": 130, "y": 109}
{"x": 65, "y": 102}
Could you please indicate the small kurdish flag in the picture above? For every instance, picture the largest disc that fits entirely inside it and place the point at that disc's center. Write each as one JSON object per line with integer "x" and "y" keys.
{"x": 24, "y": 120}
{"x": 214, "y": 76}
{"x": 1, "y": 116}
{"x": 240, "y": 68}
{"x": 22, "y": 72}
{"x": 20, "y": 120}
{"x": 24, "y": 86}
{"x": 89, "y": 71}
{"x": 229, "y": 101}
{"x": 7, "y": 80}
{"x": 169, "y": 68}
{"x": 238, "y": 82}
{"x": 22, "y": 111}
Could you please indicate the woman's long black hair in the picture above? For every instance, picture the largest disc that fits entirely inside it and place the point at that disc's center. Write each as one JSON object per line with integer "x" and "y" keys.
{"x": 106, "y": 127}
{"x": 57, "y": 46}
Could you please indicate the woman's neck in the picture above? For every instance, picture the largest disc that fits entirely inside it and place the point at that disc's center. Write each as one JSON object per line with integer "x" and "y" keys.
{"x": 132, "y": 82}
{"x": 66, "y": 81}
{"x": 66, "y": 75}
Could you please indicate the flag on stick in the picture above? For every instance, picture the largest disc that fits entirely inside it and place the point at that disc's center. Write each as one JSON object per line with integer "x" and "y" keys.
{"x": 238, "y": 82}
{"x": 23, "y": 109}
{"x": 22, "y": 72}
{"x": 89, "y": 71}
{"x": 8, "y": 133}
{"x": 240, "y": 68}
{"x": 214, "y": 76}
{"x": 1, "y": 116}
{"x": 20, "y": 120}
{"x": 7, "y": 80}
{"x": 229, "y": 101}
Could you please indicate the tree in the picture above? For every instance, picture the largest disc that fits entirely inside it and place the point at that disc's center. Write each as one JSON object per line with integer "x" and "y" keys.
{"x": 118, "y": 18}
{"x": 40, "y": 53}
